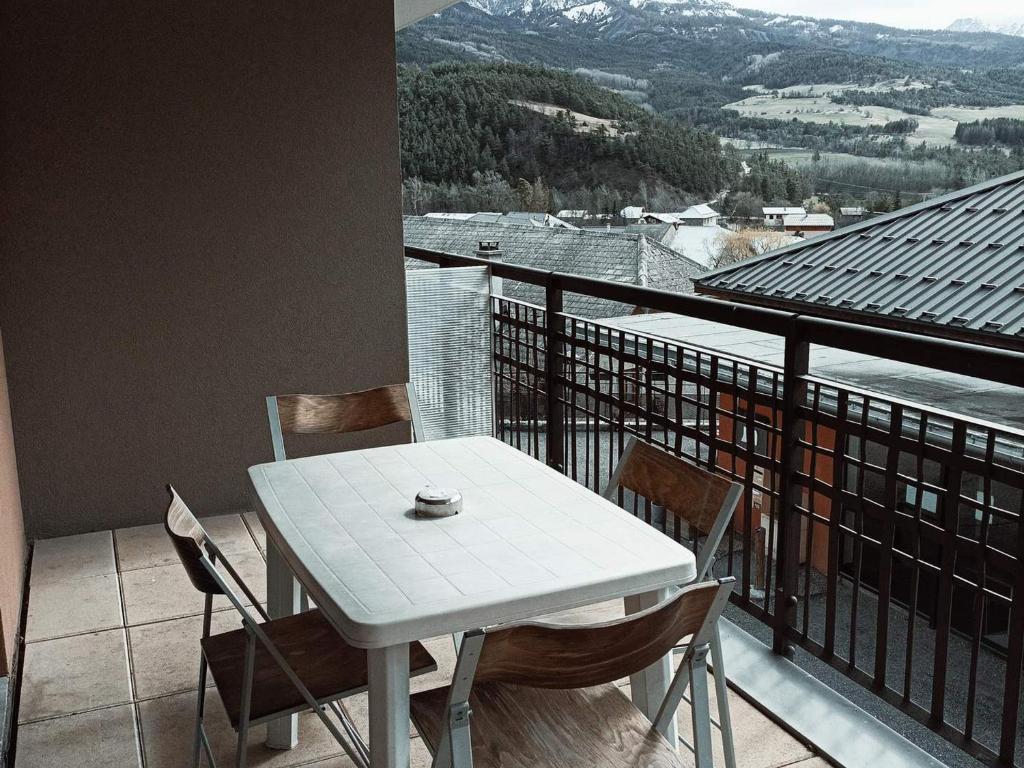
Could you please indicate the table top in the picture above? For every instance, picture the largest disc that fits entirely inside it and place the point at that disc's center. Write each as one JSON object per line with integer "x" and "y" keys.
{"x": 529, "y": 540}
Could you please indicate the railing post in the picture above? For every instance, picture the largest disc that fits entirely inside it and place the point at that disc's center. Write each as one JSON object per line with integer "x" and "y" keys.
{"x": 554, "y": 326}
{"x": 1014, "y": 661}
{"x": 787, "y": 561}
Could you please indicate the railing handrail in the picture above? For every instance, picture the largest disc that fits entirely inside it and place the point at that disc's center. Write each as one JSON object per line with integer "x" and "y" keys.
{"x": 965, "y": 358}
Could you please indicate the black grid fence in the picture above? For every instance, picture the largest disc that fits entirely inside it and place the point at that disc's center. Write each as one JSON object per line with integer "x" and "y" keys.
{"x": 882, "y": 536}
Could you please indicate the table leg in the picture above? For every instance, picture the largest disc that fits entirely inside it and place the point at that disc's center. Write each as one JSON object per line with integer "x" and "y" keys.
{"x": 648, "y": 687}
{"x": 282, "y": 600}
{"x": 388, "y": 670}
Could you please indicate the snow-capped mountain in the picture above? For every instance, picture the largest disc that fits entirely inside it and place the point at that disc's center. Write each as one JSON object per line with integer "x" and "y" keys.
{"x": 578, "y": 10}
{"x": 1004, "y": 27}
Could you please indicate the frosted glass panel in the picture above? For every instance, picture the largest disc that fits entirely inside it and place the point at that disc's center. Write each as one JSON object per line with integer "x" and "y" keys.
{"x": 450, "y": 349}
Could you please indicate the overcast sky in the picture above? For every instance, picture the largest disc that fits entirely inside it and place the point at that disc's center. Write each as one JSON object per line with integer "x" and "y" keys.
{"x": 932, "y": 14}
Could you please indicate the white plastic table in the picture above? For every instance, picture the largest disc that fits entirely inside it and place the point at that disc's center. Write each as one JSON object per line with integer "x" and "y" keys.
{"x": 529, "y": 541}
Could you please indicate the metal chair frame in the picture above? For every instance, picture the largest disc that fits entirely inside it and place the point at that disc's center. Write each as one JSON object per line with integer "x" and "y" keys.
{"x": 705, "y": 560}
{"x": 454, "y": 749}
{"x": 350, "y": 741}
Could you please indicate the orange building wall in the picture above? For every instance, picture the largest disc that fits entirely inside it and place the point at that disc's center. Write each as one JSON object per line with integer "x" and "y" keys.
{"x": 823, "y": 464}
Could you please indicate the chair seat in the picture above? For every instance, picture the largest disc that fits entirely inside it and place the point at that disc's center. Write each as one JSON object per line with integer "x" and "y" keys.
{"x": 328, "y": 666}
{"x": 518, "y": 727}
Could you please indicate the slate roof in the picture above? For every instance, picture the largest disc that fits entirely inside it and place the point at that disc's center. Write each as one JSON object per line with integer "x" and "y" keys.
{"x": 628, "y": 258}
{"x": 951, "y": 266}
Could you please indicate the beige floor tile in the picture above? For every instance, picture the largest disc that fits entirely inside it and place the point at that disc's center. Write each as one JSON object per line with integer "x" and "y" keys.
{"x": 167, "y": 736}
{"x": 74, "y": 674}
{"x": 72, "y": 557}
{"x": 256, "y": 528}
{"x": 146, "y": 546}
{"x": 165, "y": 655}
{"x": 97, "y": 739}
{"x": 62, "y": 608}
{"x": 164, "y": 592}
{"x": 443, "y": 651}
{"x": 760, "y": 743}
{"x": 814, "y": 762}
{"x": 358, "y": 710}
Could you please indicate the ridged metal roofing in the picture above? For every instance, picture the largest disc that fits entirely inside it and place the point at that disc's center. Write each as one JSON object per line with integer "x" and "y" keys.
{"x": 953, "y": 262}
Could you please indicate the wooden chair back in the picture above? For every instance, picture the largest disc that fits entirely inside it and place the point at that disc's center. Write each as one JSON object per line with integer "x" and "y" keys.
{"x": 702, "y": 499}
{"x": 190, "y": 542}
{"x": 554, "y": 656}
{"x": 338, "y": 414}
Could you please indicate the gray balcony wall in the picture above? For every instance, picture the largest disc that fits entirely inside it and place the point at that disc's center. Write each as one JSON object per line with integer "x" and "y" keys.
{"x": 201, "y": 206}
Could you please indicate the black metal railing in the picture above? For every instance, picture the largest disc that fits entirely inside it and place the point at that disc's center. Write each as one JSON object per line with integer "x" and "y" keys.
{"x": 882, "y": 536}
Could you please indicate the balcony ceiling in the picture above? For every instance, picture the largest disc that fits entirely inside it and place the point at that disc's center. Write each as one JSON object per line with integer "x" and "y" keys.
{"x": 410, "y": 11}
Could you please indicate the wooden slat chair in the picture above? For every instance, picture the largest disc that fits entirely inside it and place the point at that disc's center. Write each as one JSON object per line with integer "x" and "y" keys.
{"x": 270, "y": 667}
{"x": 544, "y": 694}
{"x": 703, "y": 500}
{"x": 339, "y": 414}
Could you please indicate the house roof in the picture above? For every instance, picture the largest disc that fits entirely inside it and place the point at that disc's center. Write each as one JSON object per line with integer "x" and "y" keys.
{"x": 770, "y": 211}
{"x": 853, "y": 211}
{"x": 979, "y": 398}
{"x": 950, "y": 266}
{"x": 664, "y": 218}
{"x": 701, "y": 211}
{"x": 808, "y": 220}
{"x": 624, "y": 257}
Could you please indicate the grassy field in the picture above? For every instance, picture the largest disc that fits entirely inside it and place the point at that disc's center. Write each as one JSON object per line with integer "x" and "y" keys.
{"x": 936, "y": 129}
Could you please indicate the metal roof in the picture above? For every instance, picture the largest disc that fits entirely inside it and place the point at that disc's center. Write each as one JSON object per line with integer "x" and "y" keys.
{"x": 628, "y": 258}
{"x": 950, "y": 266}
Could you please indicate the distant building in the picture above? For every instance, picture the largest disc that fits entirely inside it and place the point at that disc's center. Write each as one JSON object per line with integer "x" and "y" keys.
{"x": 852, "y": 214}
{"x": 775, "y": 215}
{"x": 807, "y": 224}
{"x": 625, "y": 257}
{"x": 698, "y": 216}
{"x": 632, "y": 213}
{"x": 658, "y": 218}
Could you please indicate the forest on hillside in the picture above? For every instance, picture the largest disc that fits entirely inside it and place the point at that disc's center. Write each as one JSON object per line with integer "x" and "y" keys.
{"x": 465, "y": 145}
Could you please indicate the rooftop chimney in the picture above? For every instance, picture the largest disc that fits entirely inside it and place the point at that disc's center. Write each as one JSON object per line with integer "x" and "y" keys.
{"x": 490, "y": 250}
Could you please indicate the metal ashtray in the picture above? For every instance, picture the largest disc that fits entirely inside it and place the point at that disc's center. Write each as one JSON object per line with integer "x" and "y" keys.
{"x": 438, "y": 502}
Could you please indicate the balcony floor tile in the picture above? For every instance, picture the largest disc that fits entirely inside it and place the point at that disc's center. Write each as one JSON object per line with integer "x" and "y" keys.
{"x": 256, "y": 529}
{"x": 63, "y": 608}
{"x": 167, "y": 728}
{"x": 146, "y": 546}
{"x": 165, "y": 655}
{"x": 72, "y": 557}
{"x": 165, "y": 592}
{"x": 74, "y": 674}
{"x": 97, "y": 739}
